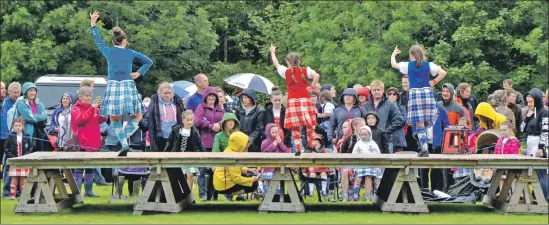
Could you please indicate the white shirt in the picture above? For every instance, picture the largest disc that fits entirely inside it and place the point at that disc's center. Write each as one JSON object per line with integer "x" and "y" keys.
{"x": 366, "y": 147}
{"x": 328, "y": 107}
{"x": 282, "y": 72}
{"x": 403, "y": 68}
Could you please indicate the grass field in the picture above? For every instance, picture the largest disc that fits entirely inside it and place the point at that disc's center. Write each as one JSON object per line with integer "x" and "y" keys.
{"x": 100, "y": 210}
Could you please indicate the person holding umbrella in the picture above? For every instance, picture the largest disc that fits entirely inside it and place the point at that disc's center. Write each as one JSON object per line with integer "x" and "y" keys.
{"x": 300, "y": 110}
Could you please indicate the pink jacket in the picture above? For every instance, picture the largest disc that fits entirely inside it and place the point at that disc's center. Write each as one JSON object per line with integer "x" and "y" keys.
{"x": 512, "y": 146}
{"x": 85, "y": 122}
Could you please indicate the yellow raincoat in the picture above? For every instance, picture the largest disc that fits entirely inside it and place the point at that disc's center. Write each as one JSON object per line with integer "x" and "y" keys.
{"x": 486, "y": 110}
{"x": 227, "y": 177}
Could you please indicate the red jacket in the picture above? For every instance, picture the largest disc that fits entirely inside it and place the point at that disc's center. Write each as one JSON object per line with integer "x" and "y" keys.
{"x": 512, "y": 146}
{"x": 85, "y": 122}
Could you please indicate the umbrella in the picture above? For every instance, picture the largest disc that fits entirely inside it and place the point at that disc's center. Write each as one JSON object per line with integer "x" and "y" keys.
{"x": 183, "y": 88}
{"x": 249, "y": 80}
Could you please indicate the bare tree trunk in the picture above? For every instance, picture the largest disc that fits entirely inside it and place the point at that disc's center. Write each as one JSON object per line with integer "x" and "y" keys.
{"x": 225, "y": 47}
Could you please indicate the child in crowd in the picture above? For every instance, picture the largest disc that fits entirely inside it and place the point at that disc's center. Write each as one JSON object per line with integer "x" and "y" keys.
{"x": 273, "y": 143}
{"x": 229, "y": 124}
{"x": 314, "y": 172}
{"x": 378, "y": 134}
{"x": 347, "y": 131}
{"x": 17, "y": 144}
{"x": 366, "y": 146}
{"x": 185, "y": 138}
{"x": 347, "y": 147}
{"x": 507, "y": 144}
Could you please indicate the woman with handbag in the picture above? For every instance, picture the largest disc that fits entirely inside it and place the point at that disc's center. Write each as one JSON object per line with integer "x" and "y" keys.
{"x": 60, "y": 124}
{"x": 85, "y": 122}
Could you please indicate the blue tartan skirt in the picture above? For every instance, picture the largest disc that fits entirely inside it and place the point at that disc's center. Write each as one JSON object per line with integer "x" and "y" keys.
{"x": 422, "y": 106}
{"x": 374, "y": 172}
{"x": 121, "y": 97}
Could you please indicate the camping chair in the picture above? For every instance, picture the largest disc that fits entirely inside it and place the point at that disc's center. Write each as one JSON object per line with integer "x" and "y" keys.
{"x": 306, "y": 180}
{"x": 133, "y": 174}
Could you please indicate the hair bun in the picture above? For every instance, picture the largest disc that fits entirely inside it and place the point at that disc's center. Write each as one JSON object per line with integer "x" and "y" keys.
{"x": 116, "y": 31}
{"x": 275, "y": 88}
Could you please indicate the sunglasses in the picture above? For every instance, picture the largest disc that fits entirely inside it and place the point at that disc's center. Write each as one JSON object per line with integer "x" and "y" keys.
{"x": 392, "y": 93}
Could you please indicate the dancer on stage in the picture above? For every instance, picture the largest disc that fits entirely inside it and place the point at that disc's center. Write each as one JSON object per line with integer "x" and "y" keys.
{"x": 422, "y": 106}
{"x": 121, "y": 95}
{"x": 300, "y": 111}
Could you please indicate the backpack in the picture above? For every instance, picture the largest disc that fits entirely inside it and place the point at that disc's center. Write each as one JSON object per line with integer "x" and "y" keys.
{"x": 11, "y": 115}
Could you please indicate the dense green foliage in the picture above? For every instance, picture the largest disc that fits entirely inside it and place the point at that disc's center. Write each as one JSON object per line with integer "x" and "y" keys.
{"x": 349, "y": 42}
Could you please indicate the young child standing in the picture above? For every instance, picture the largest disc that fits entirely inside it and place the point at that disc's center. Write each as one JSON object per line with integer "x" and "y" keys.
{"x": 347, "y": 147}
{"x": 300, "y": 110}
{"x": 366, "y": 146}
{"x": 273, "y": 143}
{"x": 17, "y": 144}
{"x": 121, "y": 95}
{"x": 229, "y": 124}
{"x": 507, "y": 144}
{"x": 422, "y": 109}
{"x": 185, "y": 138}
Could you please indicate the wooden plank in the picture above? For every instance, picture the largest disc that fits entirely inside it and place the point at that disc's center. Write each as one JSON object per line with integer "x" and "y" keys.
{"x": 295, "y": 204}
{"x": 494, "y": 184}
{"x": 69, "y": 176}
{"x": 504, "y": 193}
{"x": 400, "y": 207}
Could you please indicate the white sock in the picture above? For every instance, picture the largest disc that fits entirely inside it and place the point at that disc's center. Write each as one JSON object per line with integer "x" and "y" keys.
{"x": 311, "y": 188}
{"x": 324, "y": 183}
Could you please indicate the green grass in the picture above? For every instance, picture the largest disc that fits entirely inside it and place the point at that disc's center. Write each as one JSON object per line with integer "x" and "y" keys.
{"x": 100, "y": 210}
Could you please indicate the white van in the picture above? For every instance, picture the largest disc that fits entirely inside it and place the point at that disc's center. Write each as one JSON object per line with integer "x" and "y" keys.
{"x": 52, "y": 86}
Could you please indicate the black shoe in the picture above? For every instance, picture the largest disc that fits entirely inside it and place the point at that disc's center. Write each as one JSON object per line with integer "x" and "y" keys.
{"x": 123, "y": 152}
{"x": 423, "y": 154}
{"x": 297, "y": 153}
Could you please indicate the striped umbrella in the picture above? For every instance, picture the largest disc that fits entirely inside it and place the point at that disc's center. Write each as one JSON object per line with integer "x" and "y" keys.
{"x": 249, "y": 80}
{"x": 183, "y": 88}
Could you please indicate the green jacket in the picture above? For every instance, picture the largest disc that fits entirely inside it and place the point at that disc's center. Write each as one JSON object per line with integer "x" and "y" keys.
{"x": 221, "y": 140}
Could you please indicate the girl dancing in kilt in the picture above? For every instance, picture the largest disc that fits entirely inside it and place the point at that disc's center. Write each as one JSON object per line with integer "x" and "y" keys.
{"x": 422, "y": 106}
{"x": 121, "y": 93}
{"x": 300, "y": 111}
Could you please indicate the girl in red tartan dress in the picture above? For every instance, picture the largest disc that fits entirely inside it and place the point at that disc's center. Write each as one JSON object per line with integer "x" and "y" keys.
{"x": 17, "y": 144}
{"x": 300, "y": 111}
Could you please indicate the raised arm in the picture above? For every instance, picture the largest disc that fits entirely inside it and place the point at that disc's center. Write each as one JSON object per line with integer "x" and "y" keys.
{"x": 96, "y": 36}
{"x": 273, "y": 56}
{"x": 394, "y": 62}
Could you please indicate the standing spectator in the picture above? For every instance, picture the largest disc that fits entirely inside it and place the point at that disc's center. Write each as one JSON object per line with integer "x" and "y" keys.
{"x": 207, "y": 119}
{"x": 536, "y": 125}
{"x": 271, "y": 143}
{"x": 411, "y": 142}
{"x": 349, "y": 109}
{"x": 326, "y": 107}
{"x": 468, "y": 102}
{"x": 85, "y": 120}
{"x": 405, "y": 90}
{"x": 517, "y": 111}
{"x": 275, "y": 113}
{"x": 454, "y": 110}
{"x": 164, "y": 112}
{"x": 399, "y": 140}
{"x": 499, "y": 101}
{"x": 14, "y": 91}
{"x": 61, "y": 120}
{"x": 488, "y": 117}
{"x": 18, "y": 144}
{"x": 363, "y": 96}
{"x": 34, "y": 113}
{"x": 201, "y": 81}
{"x": 248, "y": 115}
{"x": 388, "y": 113}
{"x": 330, "y": 88}
{"x": 508, "y": 84}
{"x": 234, "y": 104}
{"x": 223, "y": 100}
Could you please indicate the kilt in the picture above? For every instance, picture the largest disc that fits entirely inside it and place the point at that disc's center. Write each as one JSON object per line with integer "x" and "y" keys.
{"x": 422, "y": 106}
{"x": 121, "y": 97}
{"x": 299, "y": 112}
{"x": 187, "y": 170}
{"x": 18, "y": 172}
{"x": 267, "y": 176}
{"x": 374, "y": 172}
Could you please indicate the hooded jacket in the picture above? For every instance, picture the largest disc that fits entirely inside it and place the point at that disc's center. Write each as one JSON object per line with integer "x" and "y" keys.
{"x": 341, "y": 114}
{"x": 267, "y": 117}
{"x": 366, "y": 146}
{"x": 7, "y": 104}
{"x": 398, "y": 137}
{"x": 268, "y": 145}
{"x": 538, "y": 123}
{"x": 221, "y": 140}
{"x": 389, "y": 119}
{"x": 225, "y": 178}
{"x": 85, "y": 122}
{"x": 11, "y": 145}
{"x": 350, "y": 139}
{"x": 23, "y": 108}
{"x": 153, "y": 118}
{"x": 379, "y": 135}
{"x": 454, "y": 110}
{"x": 194, "y": 144}
{"x": 55, "y": 115}
{"x": 249, "y": 122}
{"x": 205, "y": 117}
{"x": 499, "y": 101}
{"x": 486, "y": 110}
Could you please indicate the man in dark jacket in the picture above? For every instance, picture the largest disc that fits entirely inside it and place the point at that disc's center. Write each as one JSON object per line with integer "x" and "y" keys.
{"x": 248, "y": 115}
{"x": 349, "y": 109}
{"x": 388, "y": 112}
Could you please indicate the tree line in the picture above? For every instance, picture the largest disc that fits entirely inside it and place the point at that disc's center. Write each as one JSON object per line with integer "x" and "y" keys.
{"x": 347, "y": 42}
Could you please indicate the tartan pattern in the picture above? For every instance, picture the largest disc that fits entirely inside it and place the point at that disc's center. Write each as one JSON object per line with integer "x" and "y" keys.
{"x": 18, "y": 172}
{"x": 374, "y": 172}
{"x": 422, "y": 106}
{"x": 135, "y": 171}
{"x": 462, "y": 172}
{"x": 121, "y": 97}
{"x": 187, "y": 170}
{"x": 267, "y": 176}
{"x": 300, "y": 112}
{"x": 235, "y": 104}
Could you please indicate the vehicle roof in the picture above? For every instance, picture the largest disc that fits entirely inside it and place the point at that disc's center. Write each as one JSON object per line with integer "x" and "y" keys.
{"x": 70, "y": 79}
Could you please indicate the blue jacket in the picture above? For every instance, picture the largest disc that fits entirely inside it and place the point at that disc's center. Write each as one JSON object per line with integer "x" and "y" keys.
{"x": 440, "y": 125}
{"x": 341, "y": 114}
{"x": 53, "y": 122}
{"x": 120, "y": 60}
{"x": 6, "y": 105}
{"x": 24, "y": 110}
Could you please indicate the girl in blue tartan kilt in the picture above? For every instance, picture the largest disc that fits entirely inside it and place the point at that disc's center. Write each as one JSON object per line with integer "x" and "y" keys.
{"x": 366, "y": 145}
{"x": 121, "y": 95}
{"x": 422, "y": 108}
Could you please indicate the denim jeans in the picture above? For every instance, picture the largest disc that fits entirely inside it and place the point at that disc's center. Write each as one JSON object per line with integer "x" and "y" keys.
{"x": 7, "y": 179}
{"x": 202, "y": 182}
{"x": 542, "y": 175}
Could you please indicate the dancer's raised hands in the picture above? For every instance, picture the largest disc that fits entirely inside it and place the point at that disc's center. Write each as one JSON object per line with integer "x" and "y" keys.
{"x": 93, "y": 17}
